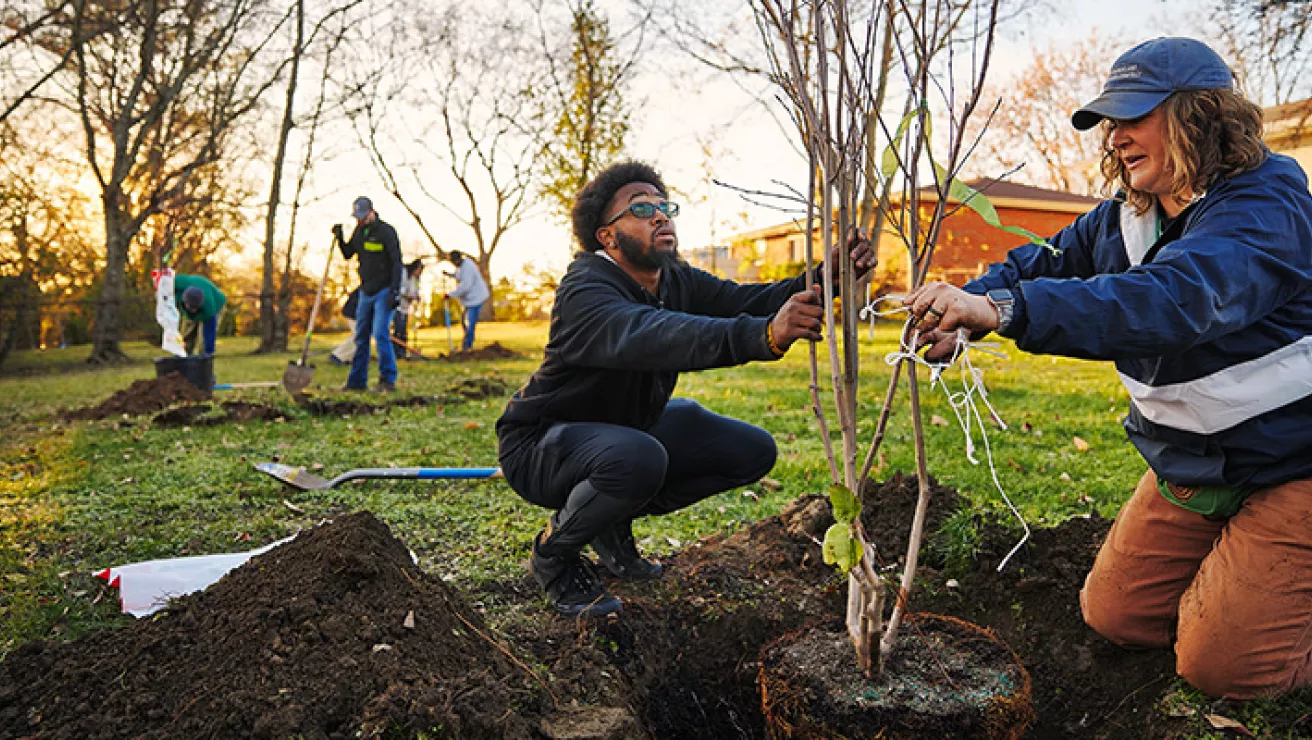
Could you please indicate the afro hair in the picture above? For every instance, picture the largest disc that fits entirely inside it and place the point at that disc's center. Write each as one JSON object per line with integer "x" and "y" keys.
{"x": 590, "y": 204}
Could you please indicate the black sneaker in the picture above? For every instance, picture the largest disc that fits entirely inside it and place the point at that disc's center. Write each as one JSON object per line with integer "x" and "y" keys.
{"x": 617, "y": 551}
{"x": 384, "y": 388}
{"x": 572, "y": 585}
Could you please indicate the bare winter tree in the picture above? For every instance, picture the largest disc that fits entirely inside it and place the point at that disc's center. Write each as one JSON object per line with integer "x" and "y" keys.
{"x": 158, "y": 99}
{"x": 34, "y": 47}
{"x": 1269, "y": 43}
{"x": 458, "y": 96}
{"x": 1032, "y": 126}
{"x": 275, "y": 322}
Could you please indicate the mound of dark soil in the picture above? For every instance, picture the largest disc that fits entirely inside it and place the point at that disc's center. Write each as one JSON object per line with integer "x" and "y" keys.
{"x": 689, "y": 644}
{"x": 493, "y": 351}
{"x": 314, "y": 639}
{"x": 202, "y": 414}
{"x": 479, "y": 388}
{"x": 310, "y": 640}
{"x": 144, "y": 397}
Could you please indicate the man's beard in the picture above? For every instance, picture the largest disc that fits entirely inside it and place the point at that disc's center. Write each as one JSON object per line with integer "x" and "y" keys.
{"x": 650, "y": 259}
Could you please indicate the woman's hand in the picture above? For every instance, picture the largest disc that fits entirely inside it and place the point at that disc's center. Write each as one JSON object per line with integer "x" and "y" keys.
{"x": 941, "y": 309}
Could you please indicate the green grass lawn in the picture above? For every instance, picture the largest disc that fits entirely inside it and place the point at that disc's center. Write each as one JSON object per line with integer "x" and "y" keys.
{"x": 76, "y": 496}
{"x": 80, "y": 496}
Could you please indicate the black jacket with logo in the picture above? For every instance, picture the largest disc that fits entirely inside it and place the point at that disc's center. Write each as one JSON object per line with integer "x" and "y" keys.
{"x": 615, "y": 351}
{"x": 380, "y": 256}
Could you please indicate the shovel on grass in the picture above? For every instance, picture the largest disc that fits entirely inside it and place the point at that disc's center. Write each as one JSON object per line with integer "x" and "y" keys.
{"x": 298, "y": 375}
{"x": 298, "y": 477}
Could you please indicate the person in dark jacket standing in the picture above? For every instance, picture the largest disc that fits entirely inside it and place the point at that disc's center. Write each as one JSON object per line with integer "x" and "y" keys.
{"x": 1197, "y": 281}
{"x": 594, "y": 434}
{"x": 375, "y": 242}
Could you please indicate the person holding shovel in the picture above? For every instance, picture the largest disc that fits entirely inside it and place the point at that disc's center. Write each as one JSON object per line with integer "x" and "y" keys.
{"x": 1196, "y": 279}
{"x": 200, "y": 304}
{"x": 594, "y": 434}
{"x": 471, "y": 290}
{"x": 375, "y": 242}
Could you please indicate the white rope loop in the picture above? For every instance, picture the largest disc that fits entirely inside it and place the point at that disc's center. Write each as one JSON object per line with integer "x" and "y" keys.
{"x": 964, "y": 403}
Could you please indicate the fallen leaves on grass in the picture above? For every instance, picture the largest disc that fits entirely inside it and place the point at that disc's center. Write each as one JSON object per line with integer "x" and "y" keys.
{"x": 938, "y": 421}
{"x": 1080, "y": 444}
{"x": 292, "y": 507}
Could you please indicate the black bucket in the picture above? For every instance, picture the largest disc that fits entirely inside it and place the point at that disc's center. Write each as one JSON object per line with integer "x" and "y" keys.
{"x": 197, "y": 369}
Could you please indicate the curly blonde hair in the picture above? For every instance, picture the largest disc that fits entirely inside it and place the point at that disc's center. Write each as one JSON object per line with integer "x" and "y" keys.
{"x": 1211, "y": 135}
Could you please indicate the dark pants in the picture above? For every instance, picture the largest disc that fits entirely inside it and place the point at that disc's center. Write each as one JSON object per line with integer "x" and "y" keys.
{"x": 399, "y": 320}
{"x": 598, "y": 475}
{"x": 202, "y": 333}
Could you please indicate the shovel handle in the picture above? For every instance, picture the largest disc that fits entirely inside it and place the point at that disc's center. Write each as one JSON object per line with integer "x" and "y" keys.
{"x": 318, "y": 296}
{"x": 416, "y": 474}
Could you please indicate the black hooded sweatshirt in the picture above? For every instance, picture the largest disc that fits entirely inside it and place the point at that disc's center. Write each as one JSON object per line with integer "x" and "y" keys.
{"x": 615, "y": 351}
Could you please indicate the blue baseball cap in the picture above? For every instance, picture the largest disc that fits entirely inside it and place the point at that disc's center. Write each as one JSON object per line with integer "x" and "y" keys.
{"x": 1147, "y": 74}
{"x": 193, "y": 299}
{"x": 361, "y": 207}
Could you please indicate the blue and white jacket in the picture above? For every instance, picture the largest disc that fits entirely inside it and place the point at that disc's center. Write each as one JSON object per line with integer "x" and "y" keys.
{"x": 1211, "y": 330}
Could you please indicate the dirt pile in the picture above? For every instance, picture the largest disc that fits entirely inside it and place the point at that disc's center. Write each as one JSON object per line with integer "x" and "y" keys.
{"x": 475, "y": 389}
{"x": 144, "y": 397}
{"x": 335, "y": 634}
{"x": 203, "y": 414}
{"x": 493, "y": 351}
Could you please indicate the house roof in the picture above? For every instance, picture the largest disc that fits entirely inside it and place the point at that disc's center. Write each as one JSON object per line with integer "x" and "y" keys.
{"x": 1001, "y": 193}
{"x": 996, "y": 189}
{"x": 1288, "y": 126}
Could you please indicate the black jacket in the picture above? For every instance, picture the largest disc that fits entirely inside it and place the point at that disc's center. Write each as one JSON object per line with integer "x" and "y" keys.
{"x": 380, "y": 256}
{"x": 615, "y": 351}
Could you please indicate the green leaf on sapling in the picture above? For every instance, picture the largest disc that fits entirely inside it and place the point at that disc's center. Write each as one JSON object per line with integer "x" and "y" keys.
{"x": 840, "y": 548}
{"x": 846, "y": 506}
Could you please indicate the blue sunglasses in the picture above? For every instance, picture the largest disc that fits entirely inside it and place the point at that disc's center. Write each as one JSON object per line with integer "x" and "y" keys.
{"x": 647, "y": 210}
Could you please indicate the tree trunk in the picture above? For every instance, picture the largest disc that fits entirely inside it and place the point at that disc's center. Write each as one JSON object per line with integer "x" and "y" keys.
{"x": 489, "y": 312}
{"x": 109, "y": 307}
{"x": 274, "y": 322}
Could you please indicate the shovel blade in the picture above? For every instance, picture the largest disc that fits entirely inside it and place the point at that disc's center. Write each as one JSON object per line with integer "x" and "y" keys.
{"x": 294, "y": 476}
{"x": 296, "y": 378}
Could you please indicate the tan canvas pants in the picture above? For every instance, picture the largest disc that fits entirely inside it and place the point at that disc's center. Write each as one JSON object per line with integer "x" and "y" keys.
{"x": 1235, "y": 595}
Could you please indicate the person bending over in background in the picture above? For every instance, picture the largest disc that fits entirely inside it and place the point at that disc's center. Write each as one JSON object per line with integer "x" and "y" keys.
{"x": 594, "y": 434}
{"x": 200, "y": 304}
{"x": 1196, "y": 279}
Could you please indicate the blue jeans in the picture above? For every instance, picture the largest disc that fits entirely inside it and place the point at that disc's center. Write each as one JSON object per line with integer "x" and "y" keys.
{"x": 373, "y": 318}
{"x": 468, "y": 324}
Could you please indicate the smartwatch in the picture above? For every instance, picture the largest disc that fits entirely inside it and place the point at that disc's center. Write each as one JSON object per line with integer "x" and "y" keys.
{"x": 1005, "y": 302}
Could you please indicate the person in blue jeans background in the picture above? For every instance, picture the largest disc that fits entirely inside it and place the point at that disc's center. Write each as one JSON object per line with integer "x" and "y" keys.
{"x": 374, "y": 242}
{"x": 471, "y": 290}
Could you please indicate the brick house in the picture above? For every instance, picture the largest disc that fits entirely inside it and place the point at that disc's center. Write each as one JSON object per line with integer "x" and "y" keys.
{"x": 1288, "y": 129}
{"x": 966, "y": 244}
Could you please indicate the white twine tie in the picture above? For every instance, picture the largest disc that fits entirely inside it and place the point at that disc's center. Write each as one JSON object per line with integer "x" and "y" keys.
{"x": 964, "y": 403}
